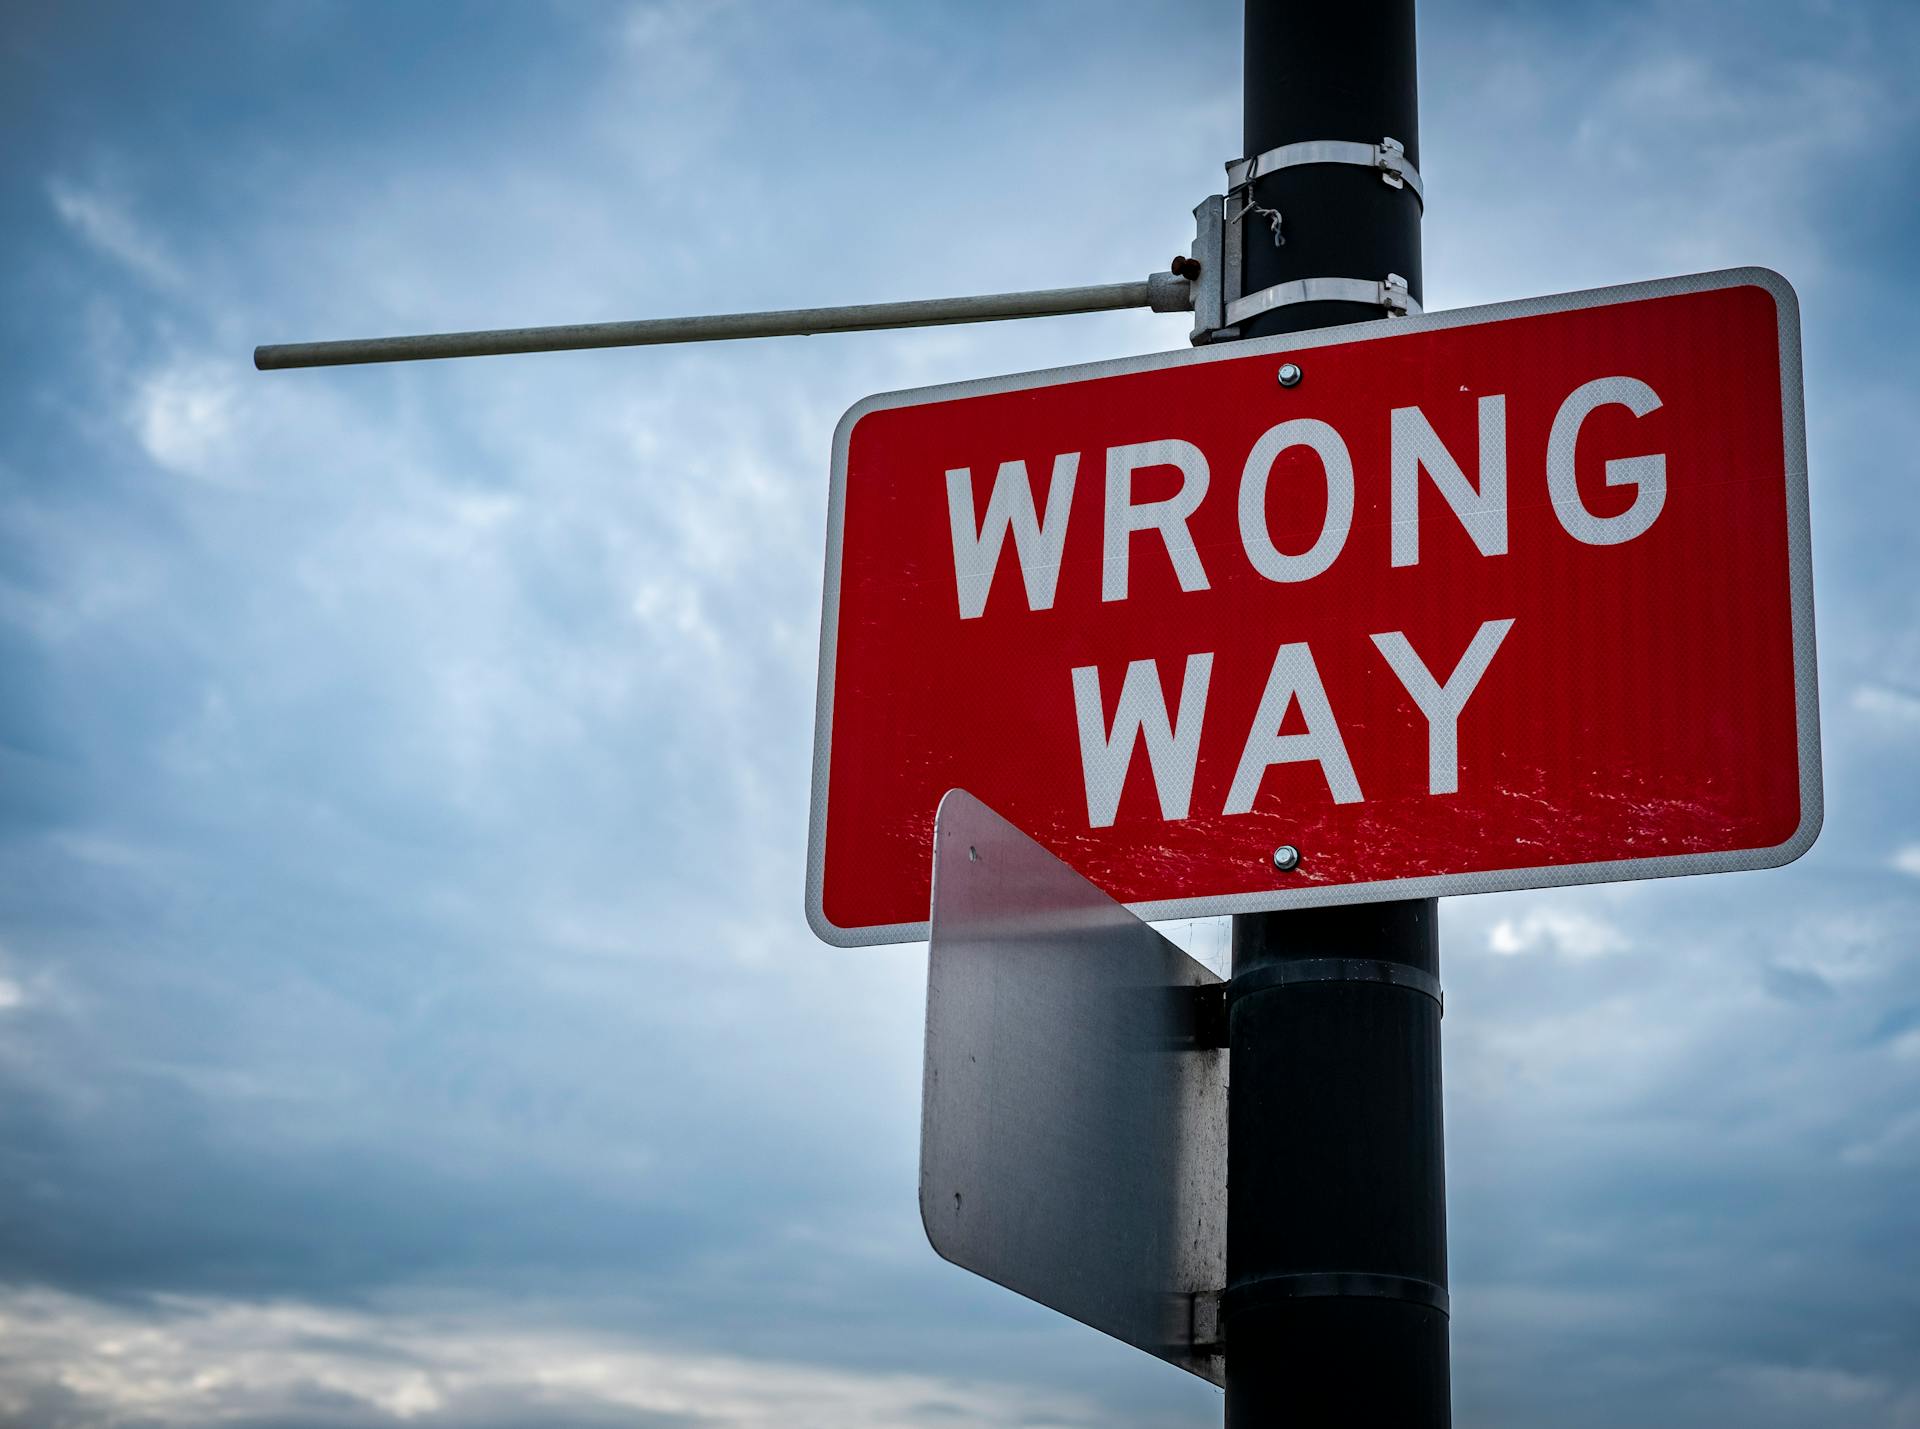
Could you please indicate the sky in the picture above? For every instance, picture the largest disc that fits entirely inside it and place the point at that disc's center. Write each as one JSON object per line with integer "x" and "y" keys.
{"x": 407, "y": 1011}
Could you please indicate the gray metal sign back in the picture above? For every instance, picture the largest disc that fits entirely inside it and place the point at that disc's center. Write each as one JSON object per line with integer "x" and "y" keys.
{"x": 1073, "y": 1133}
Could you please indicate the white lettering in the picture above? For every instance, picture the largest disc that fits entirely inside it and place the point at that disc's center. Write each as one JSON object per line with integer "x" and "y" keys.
{"x": 1168, "y": 517}
{"x": 1483, "y": 513}
{"x": 1171, "y": 751}
{"x": 1294, "y": 676}
{"x": 1267, "y": 558}
{"x": 1648, "y": 473}
{"x": 1037, "y": 542}
{"x": 1441, "y": 704}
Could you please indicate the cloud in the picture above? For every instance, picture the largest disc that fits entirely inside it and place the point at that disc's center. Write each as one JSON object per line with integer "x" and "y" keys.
{"x": 1896, "y": 1143}
{"x": 1846, "y": 945}
{"x": 103, "y": 222}
{"x": 1568, "y": 932}
{"x": 1906, "y": 859}
{"x": 1597, "y": 94}
{"x": 1885, "y": 702}
{"x": 184, "y": 414}
{"x": 192, "y": 1361}
{"x": 1810, "y": 1387}
{"x": 404, "y": 809}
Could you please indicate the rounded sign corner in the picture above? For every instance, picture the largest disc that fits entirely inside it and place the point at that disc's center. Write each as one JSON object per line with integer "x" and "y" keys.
{"x": 935, "y": 1227}
{"x": 1813, "y": 819}
{"x": 956, "y": 800}
{"x": 858, "y": 935}
{"x": 824, "y": 928}
{"x": 851, "y": 418}
{"x": 1774, "y": 284}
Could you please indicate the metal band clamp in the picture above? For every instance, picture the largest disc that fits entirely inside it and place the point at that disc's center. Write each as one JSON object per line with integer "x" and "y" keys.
{"x": 1269, "y": 1289}
{"x": 1282, "y": 974}
{"x": 1389, "y": 157}
{"x": 1389, "y": 293}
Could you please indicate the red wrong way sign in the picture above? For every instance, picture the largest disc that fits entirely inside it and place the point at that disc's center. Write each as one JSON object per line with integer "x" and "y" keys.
{"x": 1496, "y": 598}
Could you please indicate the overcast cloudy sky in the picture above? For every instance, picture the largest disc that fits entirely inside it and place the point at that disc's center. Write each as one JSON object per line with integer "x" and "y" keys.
{"x": 406, "y": 1008}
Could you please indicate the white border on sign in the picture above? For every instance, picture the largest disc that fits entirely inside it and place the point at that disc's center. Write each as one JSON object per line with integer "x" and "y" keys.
{"x": 1799, "y": 554}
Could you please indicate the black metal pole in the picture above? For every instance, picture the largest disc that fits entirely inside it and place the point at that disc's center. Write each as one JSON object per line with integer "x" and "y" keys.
{"x": 1335, "y": 1308}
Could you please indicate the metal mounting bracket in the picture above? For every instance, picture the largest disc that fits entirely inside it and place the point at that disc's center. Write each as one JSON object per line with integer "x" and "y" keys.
{"x": 1217, "y": 264}
{"x": 1389, "y": 293}
{"x": 1203, "y": 1018}
{"x": 1389, "y": 157}
{"x": 1208, "y": 284}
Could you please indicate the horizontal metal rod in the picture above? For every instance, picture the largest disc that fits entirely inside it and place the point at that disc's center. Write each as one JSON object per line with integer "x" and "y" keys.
{"x": 1162, "y": 292}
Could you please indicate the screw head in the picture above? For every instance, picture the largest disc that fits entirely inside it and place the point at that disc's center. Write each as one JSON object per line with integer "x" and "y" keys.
{"x": 1286, "y": 858}
{"x": 1290, "y": 374}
